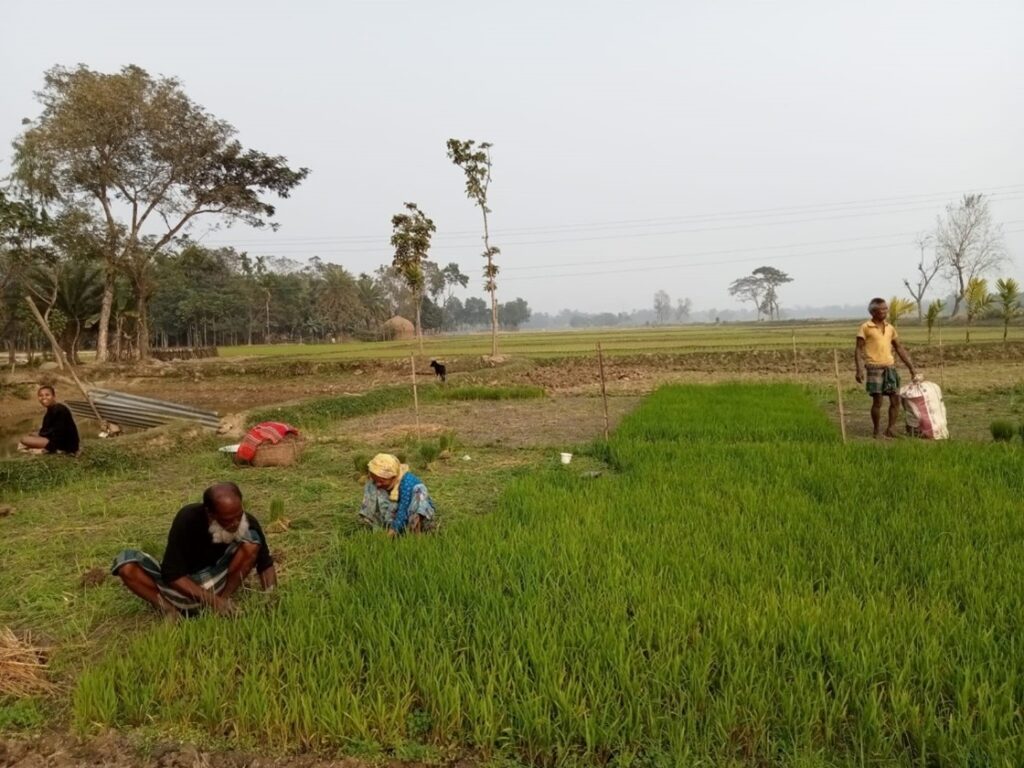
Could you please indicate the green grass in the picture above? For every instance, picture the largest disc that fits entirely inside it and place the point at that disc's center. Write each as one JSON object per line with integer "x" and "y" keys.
{"x": 616, "y": 341}
{"x": 726, "y": 598}
{"x": 34, "y": 473}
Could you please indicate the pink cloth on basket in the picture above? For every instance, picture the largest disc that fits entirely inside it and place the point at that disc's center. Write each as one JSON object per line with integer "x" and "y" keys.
{"x": 264, "y": 432}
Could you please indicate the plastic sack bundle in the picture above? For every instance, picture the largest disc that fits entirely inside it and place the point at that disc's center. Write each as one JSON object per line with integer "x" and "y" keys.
{"x": 924, "y": 409}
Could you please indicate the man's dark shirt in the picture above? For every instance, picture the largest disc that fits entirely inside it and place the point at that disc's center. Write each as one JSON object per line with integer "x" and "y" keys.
{"x": 59, "y": 428}
{"x": 190, "y": 548}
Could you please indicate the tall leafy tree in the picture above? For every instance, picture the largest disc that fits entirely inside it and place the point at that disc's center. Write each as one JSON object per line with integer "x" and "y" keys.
{"x": 749, "y": 288}
{"x": 771, "y": 278}
{"x": 29, "y": 264}
{"x": 514, "y": 313}
{"x": 411, "y": 233}
{"x": 475, "y": 161}
{"x": 150, "y": 160}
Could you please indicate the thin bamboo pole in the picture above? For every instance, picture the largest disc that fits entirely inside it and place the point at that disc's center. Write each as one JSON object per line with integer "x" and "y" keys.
{"x": 415, "y": 395}
{"x": 796, "y": 370}
{"x": 942, "y": 362}
{"x": 604, "y": 393}
{"x": 63, "y": 359}
{"x": 839, "y": 395}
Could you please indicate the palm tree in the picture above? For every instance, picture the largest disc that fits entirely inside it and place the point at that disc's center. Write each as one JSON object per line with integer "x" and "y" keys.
{"x": 978, "y": 301}
{"x": 898, "y": 308}
{"x": 932, "y": 316}
{"x": 79, "y": 295}
{"x": 1008, "y": 292}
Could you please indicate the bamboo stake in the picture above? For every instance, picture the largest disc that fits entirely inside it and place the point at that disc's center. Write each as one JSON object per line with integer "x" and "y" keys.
{"x": 796, "y": 371}
{"x": 58, "y": 352}
{"x": 415, "y": 396}
{"x": 942, "y": 362}
{"x": 604, "y": 393}
{"x": 839, "y": 395}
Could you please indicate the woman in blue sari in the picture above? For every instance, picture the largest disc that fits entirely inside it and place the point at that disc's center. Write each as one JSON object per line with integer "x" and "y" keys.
{"x": 395, "y": 499}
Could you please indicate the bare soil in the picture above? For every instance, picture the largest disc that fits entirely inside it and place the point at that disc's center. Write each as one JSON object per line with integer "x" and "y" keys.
{"x": 552, "y": 421}
{"x": 113, "y": 750}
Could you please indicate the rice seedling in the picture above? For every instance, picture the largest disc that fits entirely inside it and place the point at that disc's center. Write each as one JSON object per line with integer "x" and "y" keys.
{"x": 747, "y": 590}
{"x": 427, "y": 452}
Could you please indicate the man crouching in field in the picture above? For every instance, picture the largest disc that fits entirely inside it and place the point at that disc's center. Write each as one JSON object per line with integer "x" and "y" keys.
{"x": 211, "y": 548}
{"x": 876, "y": 341}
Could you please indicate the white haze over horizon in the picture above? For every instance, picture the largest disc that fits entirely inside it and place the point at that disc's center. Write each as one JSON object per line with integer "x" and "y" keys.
{"x": 637, "y": 146}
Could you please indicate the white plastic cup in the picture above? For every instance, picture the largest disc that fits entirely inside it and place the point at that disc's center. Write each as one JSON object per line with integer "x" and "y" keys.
{"x": 566, "y": 457}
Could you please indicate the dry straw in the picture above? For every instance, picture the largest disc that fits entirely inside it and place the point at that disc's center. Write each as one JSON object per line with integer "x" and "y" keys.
{"x": 22, "y": 669}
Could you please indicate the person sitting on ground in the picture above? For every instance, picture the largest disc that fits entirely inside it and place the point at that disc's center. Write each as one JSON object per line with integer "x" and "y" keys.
{"x": 876, "y": 341}
{"x": 212, "y": 546}
{"x": 58, "y": 433}
{"x": 395, "y": 499}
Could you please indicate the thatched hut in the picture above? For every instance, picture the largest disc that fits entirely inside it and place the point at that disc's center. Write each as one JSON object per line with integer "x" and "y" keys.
{"x": 399, "y": 328}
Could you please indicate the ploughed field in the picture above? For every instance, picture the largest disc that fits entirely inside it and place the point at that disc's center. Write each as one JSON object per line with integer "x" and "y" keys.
{"x": 736, "y": 586}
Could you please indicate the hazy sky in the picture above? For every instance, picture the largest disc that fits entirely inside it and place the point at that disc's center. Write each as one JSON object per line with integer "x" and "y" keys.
{"x": 637, "y": 146}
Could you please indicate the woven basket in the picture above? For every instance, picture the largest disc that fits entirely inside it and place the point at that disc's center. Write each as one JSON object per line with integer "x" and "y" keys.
{"x": 282, "y": 454}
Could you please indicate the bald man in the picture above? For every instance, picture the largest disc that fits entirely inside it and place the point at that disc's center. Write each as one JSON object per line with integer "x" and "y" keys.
{"x": 212, "y": 546}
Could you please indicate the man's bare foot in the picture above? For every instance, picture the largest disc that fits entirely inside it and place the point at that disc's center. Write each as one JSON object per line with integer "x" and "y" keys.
{"x": 170, "y": 613}
{"x": 889, "y": 435}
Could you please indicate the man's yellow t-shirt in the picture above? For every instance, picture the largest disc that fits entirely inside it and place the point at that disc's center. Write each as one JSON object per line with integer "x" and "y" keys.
{"x": 878, "y": 342}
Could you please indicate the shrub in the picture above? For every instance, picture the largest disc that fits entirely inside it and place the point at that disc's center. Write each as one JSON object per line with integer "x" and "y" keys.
{"x": 1002, "y": 431}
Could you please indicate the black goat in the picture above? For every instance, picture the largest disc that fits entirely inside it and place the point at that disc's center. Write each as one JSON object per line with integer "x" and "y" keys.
{"x": 439, "y": 370}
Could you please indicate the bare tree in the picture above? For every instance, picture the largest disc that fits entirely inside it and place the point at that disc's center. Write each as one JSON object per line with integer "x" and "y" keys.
{"x": 926, "y": 271}
{"x": 683, "y": 307}
{"x": 969, "y": 245}
{"x": 662, "y": 307}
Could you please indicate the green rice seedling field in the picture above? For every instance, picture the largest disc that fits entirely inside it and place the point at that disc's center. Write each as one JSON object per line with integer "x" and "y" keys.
{"x": 618, "y": 341}
{"x": 737, "y": 587}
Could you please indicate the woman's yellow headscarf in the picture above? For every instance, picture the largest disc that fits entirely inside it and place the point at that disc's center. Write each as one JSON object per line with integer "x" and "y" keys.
{"x": 387, "y": 466}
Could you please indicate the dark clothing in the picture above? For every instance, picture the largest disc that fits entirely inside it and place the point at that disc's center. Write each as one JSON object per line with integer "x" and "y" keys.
{"x": 59, "y": 428}
{"x": 190, "y": 548}
{"x": 882, "y": 380}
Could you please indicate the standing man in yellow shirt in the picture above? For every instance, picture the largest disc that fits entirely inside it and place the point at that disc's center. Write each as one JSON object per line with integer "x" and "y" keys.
{"x": 876, "y": 341}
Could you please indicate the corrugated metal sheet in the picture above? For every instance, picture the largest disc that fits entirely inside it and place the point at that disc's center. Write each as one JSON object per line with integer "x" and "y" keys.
{"x": 136, "y": 411}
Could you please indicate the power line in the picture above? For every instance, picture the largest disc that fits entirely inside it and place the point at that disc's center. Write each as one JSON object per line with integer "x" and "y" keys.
{"x": 995, "y": 193}
{"x": 805, "y": 244}
{"x": 624, "y": 236}
{"x": 710, "y": 263}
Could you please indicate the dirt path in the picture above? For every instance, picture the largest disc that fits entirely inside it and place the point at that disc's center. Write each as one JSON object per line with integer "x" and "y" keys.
{"x": 112, "y": 750}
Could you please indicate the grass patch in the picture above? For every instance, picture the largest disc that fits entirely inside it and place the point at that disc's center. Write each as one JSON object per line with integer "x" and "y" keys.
{"x": 29, "y": 474}
{"x": 727, "y": 599}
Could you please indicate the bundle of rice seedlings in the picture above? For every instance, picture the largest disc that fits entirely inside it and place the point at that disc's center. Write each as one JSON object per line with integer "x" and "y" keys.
{"x": 22, "y": 669}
